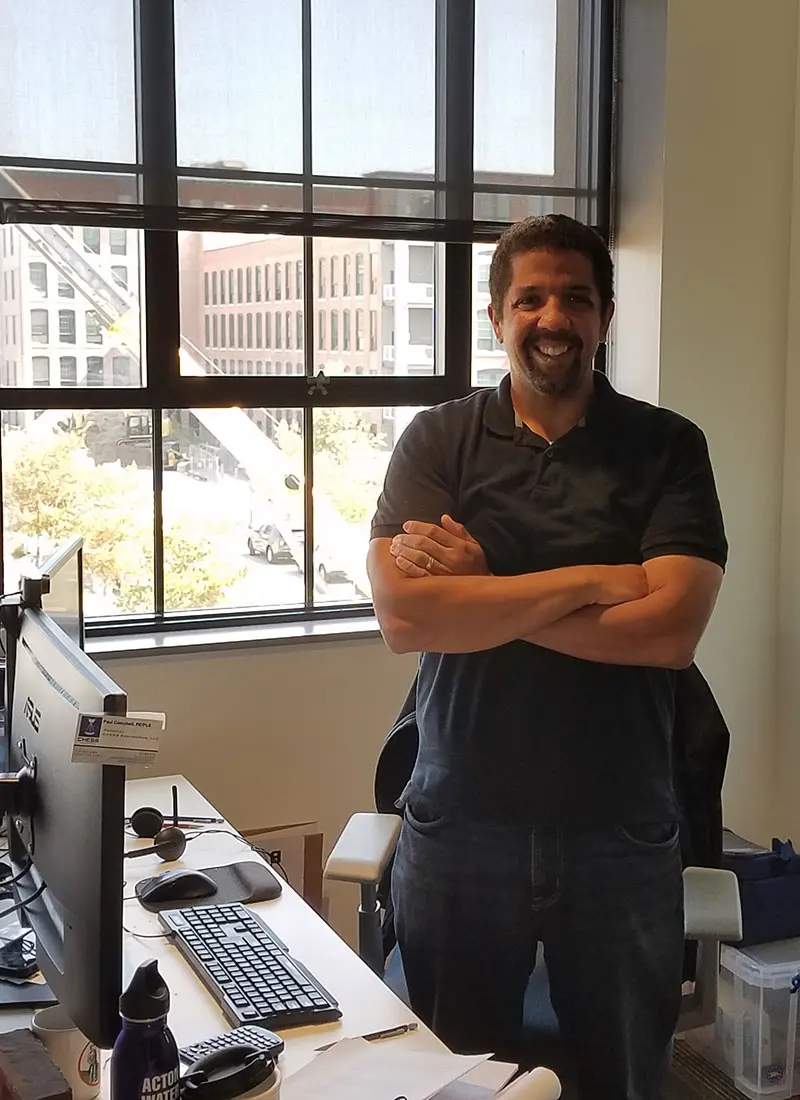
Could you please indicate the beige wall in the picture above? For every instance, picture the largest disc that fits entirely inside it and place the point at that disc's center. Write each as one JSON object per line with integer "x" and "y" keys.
{"x": 716, "y": 216}
{"x": 276, "y": 735}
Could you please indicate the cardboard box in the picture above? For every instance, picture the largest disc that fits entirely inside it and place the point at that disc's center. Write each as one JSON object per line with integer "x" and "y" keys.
{"x": 297, "y": 851}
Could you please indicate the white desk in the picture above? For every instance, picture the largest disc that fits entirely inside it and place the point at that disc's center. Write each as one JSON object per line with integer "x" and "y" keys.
{"x": 366, "y": 1003}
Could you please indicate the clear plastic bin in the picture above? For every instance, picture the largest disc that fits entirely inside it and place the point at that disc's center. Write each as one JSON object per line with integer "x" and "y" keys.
{"x": 755, "y": 1039}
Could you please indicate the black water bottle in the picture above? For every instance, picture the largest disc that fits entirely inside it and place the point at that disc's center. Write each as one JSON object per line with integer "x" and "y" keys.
{"x": 145, "y": 1064}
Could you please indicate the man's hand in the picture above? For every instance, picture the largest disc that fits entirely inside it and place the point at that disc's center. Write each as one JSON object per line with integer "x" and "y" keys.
{"x": 430, "y": 550}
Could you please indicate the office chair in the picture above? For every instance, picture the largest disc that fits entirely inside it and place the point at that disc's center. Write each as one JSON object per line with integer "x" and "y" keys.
{"x": 363, "y": 855}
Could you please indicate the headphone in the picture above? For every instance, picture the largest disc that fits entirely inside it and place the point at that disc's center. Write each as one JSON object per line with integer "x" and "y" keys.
{"x": 169, "y": 841}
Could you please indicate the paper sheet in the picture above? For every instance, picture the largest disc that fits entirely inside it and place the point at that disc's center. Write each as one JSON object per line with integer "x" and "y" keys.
{"x": 357, "y": 1070}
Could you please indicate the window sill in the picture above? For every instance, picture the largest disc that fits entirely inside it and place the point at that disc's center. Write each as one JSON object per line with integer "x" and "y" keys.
{"x": 160, "y": 642}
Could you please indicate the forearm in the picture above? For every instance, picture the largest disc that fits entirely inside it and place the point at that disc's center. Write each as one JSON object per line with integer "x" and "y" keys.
{"x": 467, "y": 614}
{"x": 644, "y": 632}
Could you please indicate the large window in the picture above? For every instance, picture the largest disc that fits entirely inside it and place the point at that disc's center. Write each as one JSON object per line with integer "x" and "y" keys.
{"x": 40, "y": 327}
{"x": 41, "y": 370}
{"x": 174, "y": 193}
{"x": 118, "y": 242}
{"x": 95, "y": 372}
{"x": 91, "y": 239}
{"x": 68, "y": 366}
{"x": 38, "y": 276}
{"x": 373, "y": 330}
{"x": 66, "y": 326}
{"x": 94, "y": 329}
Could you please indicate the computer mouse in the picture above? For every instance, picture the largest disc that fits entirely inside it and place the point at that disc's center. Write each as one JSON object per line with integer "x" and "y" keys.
{"x": 179, "y": 884}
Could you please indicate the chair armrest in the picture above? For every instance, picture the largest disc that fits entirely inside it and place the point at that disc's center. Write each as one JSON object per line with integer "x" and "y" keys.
{"x": 712, "y": 909}
{"x": 364, "y": 848}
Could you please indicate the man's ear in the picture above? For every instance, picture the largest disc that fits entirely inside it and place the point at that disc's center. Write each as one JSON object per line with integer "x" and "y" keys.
{"x": 496, "y": 324}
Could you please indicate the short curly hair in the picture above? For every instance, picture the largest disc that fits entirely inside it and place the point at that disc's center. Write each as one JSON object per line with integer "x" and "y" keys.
{"x": 550, "y": 233}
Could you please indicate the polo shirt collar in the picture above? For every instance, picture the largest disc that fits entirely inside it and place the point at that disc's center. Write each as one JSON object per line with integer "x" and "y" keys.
{"x": 500, "y": 416}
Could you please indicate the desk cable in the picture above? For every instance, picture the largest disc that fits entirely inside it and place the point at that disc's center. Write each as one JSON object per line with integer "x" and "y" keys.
{"x": 25, "y": 901}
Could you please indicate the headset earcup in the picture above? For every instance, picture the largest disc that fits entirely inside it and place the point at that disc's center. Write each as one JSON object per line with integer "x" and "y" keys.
{"x": 147, "y": 821}
{"x": 170, "y": 843}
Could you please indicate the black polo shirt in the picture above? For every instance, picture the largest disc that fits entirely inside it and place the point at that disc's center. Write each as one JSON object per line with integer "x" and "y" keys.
{"x": 519, "y": 733}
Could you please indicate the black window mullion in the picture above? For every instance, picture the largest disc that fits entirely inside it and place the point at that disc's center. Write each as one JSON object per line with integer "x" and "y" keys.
{"x": 605, "y": 111}
{"x": 455, "y": 124}
{"x": 309, "y": 570}
{"x": 157, "y": 153}
{"x": 155, "y": 102}
{"x": 308, "y": 144}
{"x": 309, "y": 307}
{"x": 158, "y": 512}
{"x": 308, "y": 320}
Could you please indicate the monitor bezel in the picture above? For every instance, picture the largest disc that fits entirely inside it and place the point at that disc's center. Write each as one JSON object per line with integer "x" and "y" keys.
{"x": 79, "y": 946}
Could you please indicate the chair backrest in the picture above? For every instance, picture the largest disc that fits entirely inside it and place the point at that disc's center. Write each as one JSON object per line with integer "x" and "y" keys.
{"x": 397, "y": 756}
{"x": 395, "y": 764}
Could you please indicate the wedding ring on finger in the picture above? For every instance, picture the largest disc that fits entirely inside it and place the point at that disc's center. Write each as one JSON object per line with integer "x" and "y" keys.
{"x": 430, "y": 564}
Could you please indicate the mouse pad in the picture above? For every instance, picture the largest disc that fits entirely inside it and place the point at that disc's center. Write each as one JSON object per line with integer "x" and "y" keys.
{"x": 247, "y": 881}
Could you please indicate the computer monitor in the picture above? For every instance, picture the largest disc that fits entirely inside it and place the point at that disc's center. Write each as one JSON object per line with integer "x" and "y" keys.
{"x": 64, "y": 600}
{"x": 68, "y": 837}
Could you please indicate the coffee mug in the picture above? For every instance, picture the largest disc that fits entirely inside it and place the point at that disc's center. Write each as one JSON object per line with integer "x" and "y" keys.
{"x": 76, "y": 1057}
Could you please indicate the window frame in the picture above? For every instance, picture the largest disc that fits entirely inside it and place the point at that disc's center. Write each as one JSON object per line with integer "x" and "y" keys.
{"x": 585, "y": 65}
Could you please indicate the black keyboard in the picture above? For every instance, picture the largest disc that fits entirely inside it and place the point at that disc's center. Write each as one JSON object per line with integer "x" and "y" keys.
{"x": 247, "y": 968}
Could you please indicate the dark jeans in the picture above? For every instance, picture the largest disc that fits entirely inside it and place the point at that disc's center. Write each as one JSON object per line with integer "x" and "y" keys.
{"x": 472, "y": 901}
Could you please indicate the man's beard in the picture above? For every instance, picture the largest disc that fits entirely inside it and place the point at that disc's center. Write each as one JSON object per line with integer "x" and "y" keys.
{"x": 556, "y": 381}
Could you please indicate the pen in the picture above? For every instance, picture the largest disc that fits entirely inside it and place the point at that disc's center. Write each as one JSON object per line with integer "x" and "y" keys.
{"x": 388, "y": 1033}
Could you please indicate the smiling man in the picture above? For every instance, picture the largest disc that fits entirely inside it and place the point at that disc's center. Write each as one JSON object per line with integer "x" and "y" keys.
{"x": 554, "y": 551}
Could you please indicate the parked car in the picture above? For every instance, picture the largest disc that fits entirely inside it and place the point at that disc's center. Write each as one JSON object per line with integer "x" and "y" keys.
{"x": 267, "y": 540}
